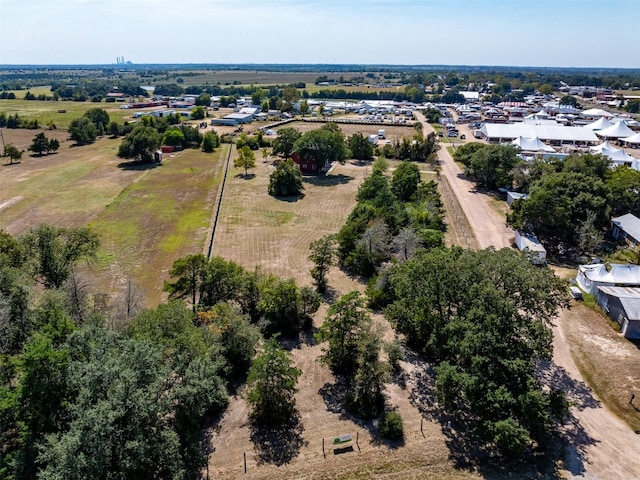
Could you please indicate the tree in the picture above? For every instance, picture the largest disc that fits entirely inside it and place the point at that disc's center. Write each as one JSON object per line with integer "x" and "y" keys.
{"x": 173, "y": 136}
{"x": 204, "y": 100}
{"x": 237, "y": 337}
{"x": 99, "y": 117}
{"x": 492, "y": 165}
{"x": 140, "y": 144}
{"x": 569, "y": 100}
{"x": 39, "y": 144}
{"x": 283, "y": 143}
{"x": 210, "y": 142}
{"x": 557, "y": 204}
{"x": 245, "y": 159}
{"x": 590, "y": 238}
{"x": 344, "y": 326}
{"x": 271, "y": 386}
{"x": 405, "y": 180}
{"x": 361, "y": 148}
{"x": 484, "y": 317}
{"x": 53, "y": 251}
{"x": 279, "y": 306}
{"x": 198, "y": 113}
{"x": 83, "y": 131}
{"x": 323, "y": 254}
{"x": 12, "y": 152}
{"x": 285, "y": 180}
{"x": 188, "y": 272}
{"x": 304, "y": 107}
{"x": 624, "y": 183}
{"x": 367, "y": 400}
{"x": 323, "y": 145}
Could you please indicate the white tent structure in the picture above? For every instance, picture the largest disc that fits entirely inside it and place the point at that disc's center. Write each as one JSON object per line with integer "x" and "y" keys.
{"x": 532, "y": 145}
{"x": 599, "y": 124}
{"x": 617, "y": 155}
{"x": 595, "y": 112}
{"x": 617, "y": 130}
{"x": 634, "y": 139}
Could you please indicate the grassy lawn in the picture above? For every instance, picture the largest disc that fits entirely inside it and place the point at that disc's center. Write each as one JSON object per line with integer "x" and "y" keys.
{"x": 161, "y": 216}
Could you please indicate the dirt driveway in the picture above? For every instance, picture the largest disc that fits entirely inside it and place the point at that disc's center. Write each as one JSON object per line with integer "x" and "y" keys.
{"x": 598, "y": 444}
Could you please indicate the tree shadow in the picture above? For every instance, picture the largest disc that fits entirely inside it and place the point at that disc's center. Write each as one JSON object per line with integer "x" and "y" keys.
{"x": 327, "y": 180}
{"x": 248, "y": 176}
{"x": 334, "y": 396}
{"x": 557, "y": 378}
{"x": 330, "y": 295}
{"x": 290, "y": 198}
{"x": 138, "y": 166}
{"x": 11, "y": 163}
{"x": 278, "y": 445}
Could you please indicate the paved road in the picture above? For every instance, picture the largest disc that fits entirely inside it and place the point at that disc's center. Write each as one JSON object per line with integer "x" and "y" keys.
{"x": 487, "y": 223}
{"x": 600, "y": 446}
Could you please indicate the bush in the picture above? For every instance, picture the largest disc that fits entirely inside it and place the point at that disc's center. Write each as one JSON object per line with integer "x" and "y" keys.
{"x": 391, "y": 426}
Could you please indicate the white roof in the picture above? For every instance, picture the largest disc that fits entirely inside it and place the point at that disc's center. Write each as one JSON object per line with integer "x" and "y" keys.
{"x": 632, "y": 139}
{"x": 629, "y": 223}
{"x": 595, "y": 112}
{"x": 617, "y": 130}
{"x": 599, "y": 124}
{"x": 532, "y": 145}
{"x": 544, "y": 132}
{"x": 616, "y": 274}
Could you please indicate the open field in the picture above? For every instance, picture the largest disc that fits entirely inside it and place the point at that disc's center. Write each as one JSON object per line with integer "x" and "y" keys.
{"x": 47, "y": 112}
{"x": 253, "y": 77}
{"x": 146, "y": 218}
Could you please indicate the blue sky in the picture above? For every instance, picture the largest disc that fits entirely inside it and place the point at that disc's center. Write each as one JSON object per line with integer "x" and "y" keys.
{"x": 566, "y": 33}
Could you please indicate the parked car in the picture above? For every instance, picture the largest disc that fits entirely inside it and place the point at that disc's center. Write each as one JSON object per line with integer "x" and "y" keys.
{"x": 451, "y": 133}
{"x": 575, "y": 293}
{"x": 463, "y": 137}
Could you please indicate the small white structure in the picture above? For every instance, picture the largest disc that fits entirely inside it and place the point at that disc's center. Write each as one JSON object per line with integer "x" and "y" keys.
{"x": 590, "y": 277}
{"x": 617, "y": 130}
{"x": 531, "y": 246}
{"x": 373, "y": 139}
{"x": 513, "y": 196}
{"x": 532, "y": 145}
{"x": 381, "y": 133}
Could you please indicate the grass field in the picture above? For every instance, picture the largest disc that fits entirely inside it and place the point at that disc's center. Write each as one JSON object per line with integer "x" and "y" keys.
{"x": 60, "y": 113}
{"x": 144, "y": 218}
{"x": 162, "y": 215}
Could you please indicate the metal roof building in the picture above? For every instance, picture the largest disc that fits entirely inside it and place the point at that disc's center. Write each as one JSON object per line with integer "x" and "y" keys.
{"x": 622, "y": 304}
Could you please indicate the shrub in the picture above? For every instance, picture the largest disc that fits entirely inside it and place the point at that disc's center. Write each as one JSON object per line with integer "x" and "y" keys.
{"x": 390, "y": 426}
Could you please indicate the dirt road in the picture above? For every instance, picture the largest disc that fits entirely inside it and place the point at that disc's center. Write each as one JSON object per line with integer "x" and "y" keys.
{"x": 599, "y": 445}
{"x": 487, "y": 223}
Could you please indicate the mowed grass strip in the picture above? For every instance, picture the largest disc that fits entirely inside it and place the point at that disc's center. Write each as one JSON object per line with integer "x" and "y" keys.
{"x": 163, "y": 215}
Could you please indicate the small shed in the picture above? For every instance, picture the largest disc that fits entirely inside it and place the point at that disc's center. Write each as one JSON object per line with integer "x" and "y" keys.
{"x": 622, "y": 304}
{"x": 531, "y": 246}
{"x": 626, "y": 228}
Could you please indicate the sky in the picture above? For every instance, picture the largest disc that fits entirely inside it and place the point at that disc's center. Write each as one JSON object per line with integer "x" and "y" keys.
{"x": 554, "y": 33}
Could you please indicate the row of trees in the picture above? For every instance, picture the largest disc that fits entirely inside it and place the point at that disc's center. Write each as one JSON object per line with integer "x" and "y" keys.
{"x": 392, "y": 219}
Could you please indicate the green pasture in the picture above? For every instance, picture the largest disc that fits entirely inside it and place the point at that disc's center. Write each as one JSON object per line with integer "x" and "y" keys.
{"x": 161, "y": 216}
